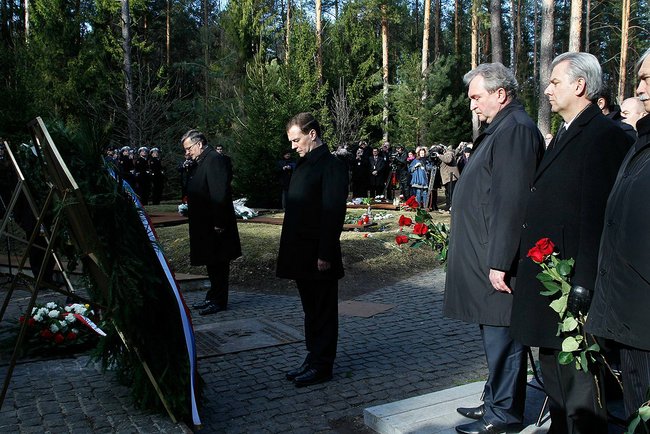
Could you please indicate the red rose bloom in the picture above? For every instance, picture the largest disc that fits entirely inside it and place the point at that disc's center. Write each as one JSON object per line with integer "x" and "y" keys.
{"x": 545, "y": 246}
{"x": 58, "y": 338}
{"x": 420, "y": 229}
{"x": 46, "y": 334}
{"x": 71, "y": 336}
{"x": 405, "y": 221}
{"x": 360, "y": 222}
{"x": 536, "y": 255}
{"x": 31, "y": 322}
{"x": 411, "y": 202}
{"x": 366, "y": 219}
{"x": 401, "y": 239}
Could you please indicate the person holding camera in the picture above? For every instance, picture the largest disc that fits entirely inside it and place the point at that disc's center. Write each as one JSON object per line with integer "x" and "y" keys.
{"x": 448, "y": 172}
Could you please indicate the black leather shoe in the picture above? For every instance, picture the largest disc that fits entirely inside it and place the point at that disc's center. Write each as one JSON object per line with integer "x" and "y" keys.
{"x": 211, "y": 308}
{"x": 291, "y": 375}
{"x": 472, "y": 412}
{"x": 312, "y": 376}
{"x": 480, "y": 427}
{"x": 202, "y": 305}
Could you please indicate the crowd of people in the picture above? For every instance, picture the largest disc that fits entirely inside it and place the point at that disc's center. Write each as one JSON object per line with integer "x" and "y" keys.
{"x": 394, "y": 172}
{"x": 142, "y": 169}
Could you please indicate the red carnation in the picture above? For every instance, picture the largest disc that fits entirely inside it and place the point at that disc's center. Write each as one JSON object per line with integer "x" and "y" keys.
{"x": 405, "y": 221}
{"x": 536, "y": 255}
{"x": 401, "y": 239}
{"x": 31, "y": 322}
{"x": 46, "y": 334}
{"x": 420, "y": 229}
{"x": 545, "y": 246}
{"x": 58, "y": 338}
{"x": 71, "y": 336}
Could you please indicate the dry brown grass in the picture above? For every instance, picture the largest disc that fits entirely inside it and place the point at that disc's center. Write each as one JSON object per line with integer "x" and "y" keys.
{"x": 371, "y": 258}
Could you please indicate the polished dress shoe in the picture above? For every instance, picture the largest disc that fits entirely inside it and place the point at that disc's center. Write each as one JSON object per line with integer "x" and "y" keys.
{"x": 480, "y": 427}
{"x": 312, "y": 376}
{"x": 211, "y": 308}
{"x": 472, "y": 412}
{"x": 291, "y": 375}
{"x": 202, "y": 305}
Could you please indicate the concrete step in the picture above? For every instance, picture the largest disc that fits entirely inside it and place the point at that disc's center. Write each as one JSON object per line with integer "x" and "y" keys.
{"x": 435, "y": 413}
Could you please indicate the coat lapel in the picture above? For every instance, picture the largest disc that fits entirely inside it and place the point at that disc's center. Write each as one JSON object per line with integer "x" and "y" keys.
{"x": 569, "y": 136}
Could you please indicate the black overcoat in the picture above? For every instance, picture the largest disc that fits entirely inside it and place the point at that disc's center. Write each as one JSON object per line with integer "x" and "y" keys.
{"x": 209, "y": 201}
{"x": 487, "y": 214}
{"x": 566, "y": 204}
{"x": 619, "y": 310}
{"x": 313, "y": 220}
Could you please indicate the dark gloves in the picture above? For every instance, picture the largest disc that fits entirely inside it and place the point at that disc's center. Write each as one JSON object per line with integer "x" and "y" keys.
{"x": 579, "y": 300}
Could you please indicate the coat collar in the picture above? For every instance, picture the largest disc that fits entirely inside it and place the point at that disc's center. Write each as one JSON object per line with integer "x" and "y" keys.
{"x": 514, "y": 105}
{"x": 314, "y": 155}
{"x": 576, "y": 127}
{"x": 643, "y": 131}
{"x": 204, "y": 154}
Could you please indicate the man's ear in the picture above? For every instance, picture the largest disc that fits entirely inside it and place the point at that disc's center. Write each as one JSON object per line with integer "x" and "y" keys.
{"x": 581, "y": 87}
{"x": 502, "y": 95}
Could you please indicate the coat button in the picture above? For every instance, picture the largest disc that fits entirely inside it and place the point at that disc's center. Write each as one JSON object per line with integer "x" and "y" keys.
{"x": 610, "y": 222}
{"x": 602, "y": 271}
{"x": 533, "y": 189}
{"x": 525, "y": 225}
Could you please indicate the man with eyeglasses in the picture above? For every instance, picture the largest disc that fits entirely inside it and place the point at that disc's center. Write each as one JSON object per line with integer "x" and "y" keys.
{"x": 214, "y": 239}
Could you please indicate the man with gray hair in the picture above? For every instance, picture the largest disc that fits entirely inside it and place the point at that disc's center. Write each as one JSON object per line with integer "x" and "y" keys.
{"x": 486, "y": 217}
{"x": 632, "y": 110}
{"x": 566, "y": 204}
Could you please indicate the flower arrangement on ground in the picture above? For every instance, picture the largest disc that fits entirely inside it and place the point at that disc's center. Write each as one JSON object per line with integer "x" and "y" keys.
{"x": 55, "y": 326}
{"x": 425, "y": 232}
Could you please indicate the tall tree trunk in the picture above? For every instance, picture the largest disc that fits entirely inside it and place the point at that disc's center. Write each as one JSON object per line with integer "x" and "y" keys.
{"x": 425, "y": 45}
{"x": 384, "y": 46}
{"x": 625, "y": 26}
{"x": 513, "y": 26}
{"x": 319, "y": 42}
{"x": 126, "y": 69}
{"x": 206, "y": 60}
{"x": 587, "y": 25}
{"x": 417, "y": 18}
{"x": 495, "y": 30}
{"x": 457, "y": 19}
{"x": 168, "y": 33}
{"x": 437, "y": 32}
{"x": 476, "y": 4}
{"x": 287, "y": 39}
{"x": 546, "y": 51}
{"x": 575, "y": 29}
{"x": 26, "y": 6}
{"x": 535, "y": 45}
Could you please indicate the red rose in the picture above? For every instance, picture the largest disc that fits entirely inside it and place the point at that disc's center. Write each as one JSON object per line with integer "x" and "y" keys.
{"x": 401, "y": 239}
{"x": 365, "y": 235}
{"x": 420, "y": 229}
{"x": 31, "y": 322}
{"x": 545, "y": 246}
{"x": 366, "y": 219}
{"x": 58, "y": 338}
{"x": 405, "y": 221}
{"x": 360, "y": 222}
{"x": 46, "y": 334}
{"x": 71, "y": 336}
{"x": 411, "y": 202}
{"x": 536, "y": 255}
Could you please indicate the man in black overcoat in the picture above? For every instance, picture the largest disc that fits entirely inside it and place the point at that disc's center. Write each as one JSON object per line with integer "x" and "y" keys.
{"x": 310, "y": 251}
{"x": 619, "y": 310}
{"x": 486, "y": 218}
{"x": 376, "y": 169}
{"x": 214, "y": 239}
{"x": 566, "y": 203}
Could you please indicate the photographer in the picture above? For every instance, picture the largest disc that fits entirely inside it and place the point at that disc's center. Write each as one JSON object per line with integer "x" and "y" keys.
{"x": 400, "y": 165}
{"x": 448, "y": 171}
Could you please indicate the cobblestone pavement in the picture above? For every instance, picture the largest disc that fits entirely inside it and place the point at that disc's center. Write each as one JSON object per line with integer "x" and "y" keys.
{"x": 406, "y": 351}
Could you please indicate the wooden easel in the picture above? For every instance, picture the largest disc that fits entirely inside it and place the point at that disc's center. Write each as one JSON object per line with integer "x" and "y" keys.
{"x": 72, "y": 208}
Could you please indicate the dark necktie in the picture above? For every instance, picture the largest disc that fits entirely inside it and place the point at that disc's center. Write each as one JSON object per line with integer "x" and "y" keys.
{"x": 558, "y": 136}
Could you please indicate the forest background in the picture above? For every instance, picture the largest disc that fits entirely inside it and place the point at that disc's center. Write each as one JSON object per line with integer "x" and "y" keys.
{"x": 142, "y": 72}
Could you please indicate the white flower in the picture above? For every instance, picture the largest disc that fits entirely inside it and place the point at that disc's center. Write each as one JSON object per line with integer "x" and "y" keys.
{"x": 63, "y": 325}
{"x": 34, "y": 309}
{"x": 51, "y": 305}
{"x": 54, "y": 328}
{"x": 80, "y": 309}
{"x": 70, "y": 318}
{"x": 53, "y": 314}
{"x": 38, "y": 317}
{"x": 68, "y": 308}
{"x": 43, "y": 311}
{"x": 75, "y": 331}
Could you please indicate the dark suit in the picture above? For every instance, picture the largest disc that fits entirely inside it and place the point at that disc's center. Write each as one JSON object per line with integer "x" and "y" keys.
{"x": 486, "y": 218}
{"x": 214, "y": 239}
{"x": 619, "y": 310}
{"x": 311, "y": 229}
{"x": 566, "y": 204}
{"x": 376, "y": 181}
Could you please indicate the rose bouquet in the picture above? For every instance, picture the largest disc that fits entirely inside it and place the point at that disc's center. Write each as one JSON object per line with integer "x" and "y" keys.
{"x": 425, "y": 232}
{"x": 556, "y": 279}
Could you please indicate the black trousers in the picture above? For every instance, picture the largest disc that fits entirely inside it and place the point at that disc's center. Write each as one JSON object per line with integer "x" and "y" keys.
{"x": 635, "y": 367}
{"x": 504, "y": 394}
{"x": 573, "y": 397}
{"x": 218, "y": 273}
{"x": 449, "y": 191}
{"x": 320, "y": 304}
